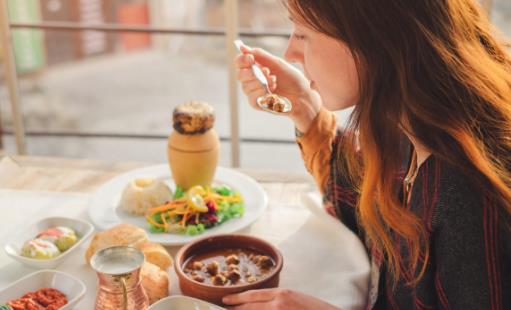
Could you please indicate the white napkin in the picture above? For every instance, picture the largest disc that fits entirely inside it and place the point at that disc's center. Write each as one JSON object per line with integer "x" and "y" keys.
{"x": 344, "y": 272}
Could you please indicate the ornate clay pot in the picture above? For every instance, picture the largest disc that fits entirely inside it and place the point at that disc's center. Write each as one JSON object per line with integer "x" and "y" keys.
{"x": 193, "y": 146}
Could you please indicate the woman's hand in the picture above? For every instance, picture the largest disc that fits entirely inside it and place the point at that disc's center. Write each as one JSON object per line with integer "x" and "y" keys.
{"x": 275, "y": 298}
{"x": 283, "y": 79}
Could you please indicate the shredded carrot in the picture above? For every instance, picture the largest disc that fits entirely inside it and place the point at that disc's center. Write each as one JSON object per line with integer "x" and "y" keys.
{"x": 154, "y": 223}
{"x": 164, "y": 220}
{"x": 186, "y": 209}
{"x": 166, "y": 207}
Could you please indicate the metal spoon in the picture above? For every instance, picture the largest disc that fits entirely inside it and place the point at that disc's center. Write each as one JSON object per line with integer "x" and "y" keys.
{"x": 288, "y": 106}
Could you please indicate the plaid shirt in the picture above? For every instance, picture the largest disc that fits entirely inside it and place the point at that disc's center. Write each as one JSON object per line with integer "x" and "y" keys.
{"x": 469, "y": 242}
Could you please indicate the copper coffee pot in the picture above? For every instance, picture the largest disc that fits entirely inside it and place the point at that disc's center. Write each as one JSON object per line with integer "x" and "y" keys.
{"x": 118, "y": 270}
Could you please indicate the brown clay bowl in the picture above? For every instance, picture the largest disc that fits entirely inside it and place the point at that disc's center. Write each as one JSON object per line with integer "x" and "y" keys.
{"x": 212, "y": 293}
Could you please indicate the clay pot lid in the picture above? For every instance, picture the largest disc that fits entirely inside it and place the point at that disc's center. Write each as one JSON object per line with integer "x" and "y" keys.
{"x": 194, "y": 117}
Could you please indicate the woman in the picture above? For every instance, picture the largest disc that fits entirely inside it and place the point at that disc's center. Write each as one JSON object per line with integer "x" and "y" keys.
{"x": 422, "y": 173}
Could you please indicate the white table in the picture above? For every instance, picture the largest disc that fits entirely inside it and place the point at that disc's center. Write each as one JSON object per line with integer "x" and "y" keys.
{"x": 321, "y": 257}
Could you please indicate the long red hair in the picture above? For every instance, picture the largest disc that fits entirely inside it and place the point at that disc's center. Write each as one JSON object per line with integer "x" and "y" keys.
{"x": 436, "y": 65}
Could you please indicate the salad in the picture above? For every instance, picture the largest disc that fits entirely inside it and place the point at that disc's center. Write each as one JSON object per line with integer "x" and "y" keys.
{"x": 194, "y": 211}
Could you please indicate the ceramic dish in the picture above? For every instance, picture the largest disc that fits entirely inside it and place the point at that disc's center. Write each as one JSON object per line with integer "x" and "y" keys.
{"x": 82, "y": 228}
{"x": 179, "y": 302}
{"x": 105, "y": 211}
{"x": 73, "y": 288}
{"x": 213, "y": 293}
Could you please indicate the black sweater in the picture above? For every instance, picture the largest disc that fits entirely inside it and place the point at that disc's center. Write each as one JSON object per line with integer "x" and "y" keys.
{"x": 469, "y": 241}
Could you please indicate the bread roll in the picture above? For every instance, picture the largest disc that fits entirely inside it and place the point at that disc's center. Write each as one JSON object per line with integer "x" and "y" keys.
{"x": 156, "y": 254}
{"x": 155, "y": 282}
{"x": 122, "y": 234}
{"x": 129, "y": 235}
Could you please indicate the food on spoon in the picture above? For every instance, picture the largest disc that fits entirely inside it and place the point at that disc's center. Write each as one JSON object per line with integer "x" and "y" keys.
{"x": 269, "y": 101}
{"x": 273, "y": 102}
{"x": 40, "y": 249}
{"x": 42, "y": 299}
{"x": 279, "y": 107}
{"x": 63, "y": 237}
{"x": 144, "y": 193}
{"x": 194, "y": 211}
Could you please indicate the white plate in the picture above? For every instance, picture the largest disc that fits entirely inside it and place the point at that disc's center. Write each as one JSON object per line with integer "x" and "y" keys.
{"x": 105, "y": 212}
{"x": 82, "y": 228}
{"x": 73, "y": 288}
{"x": 180, "y": 302}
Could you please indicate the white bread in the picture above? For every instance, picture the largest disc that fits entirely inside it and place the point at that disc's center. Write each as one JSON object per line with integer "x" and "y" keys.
{"x": 154, "y": 277}
{"x": 155, "y": 282}
{"x": 156, "y": 254}
{"x": 122, "y": 234}
{"x": 130, "y": 235}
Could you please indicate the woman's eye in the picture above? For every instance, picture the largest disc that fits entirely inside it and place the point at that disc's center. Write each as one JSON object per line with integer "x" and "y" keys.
{"x": 298, "y": 36}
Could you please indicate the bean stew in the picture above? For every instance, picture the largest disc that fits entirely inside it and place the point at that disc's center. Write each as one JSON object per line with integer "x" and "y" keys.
{"x": 229, "y": 267}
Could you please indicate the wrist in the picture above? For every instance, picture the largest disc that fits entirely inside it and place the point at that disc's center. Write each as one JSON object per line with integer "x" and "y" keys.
{"x": 305, "y": 111}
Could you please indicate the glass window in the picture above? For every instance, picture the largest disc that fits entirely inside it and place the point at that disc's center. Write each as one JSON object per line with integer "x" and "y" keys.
{"x": 501, "y": 15}
{"x": 93, "y": 82}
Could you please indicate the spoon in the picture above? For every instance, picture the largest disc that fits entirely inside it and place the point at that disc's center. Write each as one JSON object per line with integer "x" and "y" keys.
{"x": 286, "y": 103}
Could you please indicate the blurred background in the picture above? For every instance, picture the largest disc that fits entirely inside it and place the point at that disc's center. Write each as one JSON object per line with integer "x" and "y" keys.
{"x": 110, "y": 95}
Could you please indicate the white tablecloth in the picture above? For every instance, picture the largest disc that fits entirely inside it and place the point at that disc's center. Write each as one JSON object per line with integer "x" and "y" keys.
{"x": 321, "y": 257}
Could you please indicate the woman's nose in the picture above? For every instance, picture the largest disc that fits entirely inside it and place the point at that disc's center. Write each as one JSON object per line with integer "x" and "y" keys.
{"x": 293, "y": 53}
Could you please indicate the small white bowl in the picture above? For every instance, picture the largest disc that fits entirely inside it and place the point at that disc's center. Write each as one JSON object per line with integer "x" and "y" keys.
{"x": 83, "y": 230}
{"x": 179, "y": 302}
{"x": 73, "y": 288}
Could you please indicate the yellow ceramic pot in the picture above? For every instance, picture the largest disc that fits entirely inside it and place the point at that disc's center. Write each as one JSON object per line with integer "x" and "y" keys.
{"x": 193, "y": 146}
{"x": 193, "y": 158}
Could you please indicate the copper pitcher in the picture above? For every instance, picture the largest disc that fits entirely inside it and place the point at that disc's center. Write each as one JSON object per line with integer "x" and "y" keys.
{"x": 118, "y": 270}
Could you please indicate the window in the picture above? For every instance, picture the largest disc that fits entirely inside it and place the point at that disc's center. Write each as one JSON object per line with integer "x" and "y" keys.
{"x": 110, "y": 95}
{"x": 501, "y": 15}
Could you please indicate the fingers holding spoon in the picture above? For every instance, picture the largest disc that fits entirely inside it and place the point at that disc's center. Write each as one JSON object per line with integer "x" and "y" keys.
{"x": 268, "y": 102}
